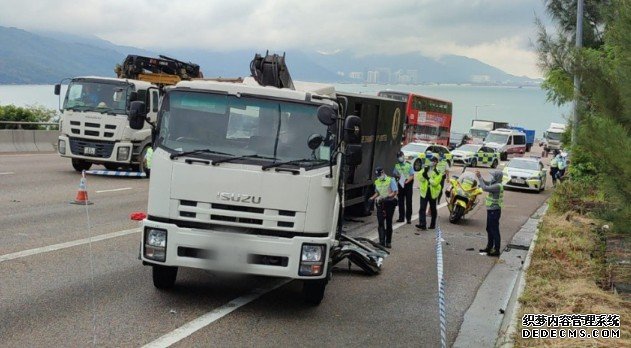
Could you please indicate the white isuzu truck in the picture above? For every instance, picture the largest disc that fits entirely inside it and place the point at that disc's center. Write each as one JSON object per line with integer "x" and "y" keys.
{"x": 553, "y": 136}
{"x": 251, "y": 176}
{"x": 94, "y": 126}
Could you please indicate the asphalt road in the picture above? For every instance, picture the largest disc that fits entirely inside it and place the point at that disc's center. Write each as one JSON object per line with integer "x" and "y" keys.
{"x": 100, "y": 293}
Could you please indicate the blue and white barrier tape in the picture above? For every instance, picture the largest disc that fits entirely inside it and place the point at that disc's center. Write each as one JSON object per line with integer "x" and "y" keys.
{"x": 116, "y": 173}
{"x": 441, "y": 287}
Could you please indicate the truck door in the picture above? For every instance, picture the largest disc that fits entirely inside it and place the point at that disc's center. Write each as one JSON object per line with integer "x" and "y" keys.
{"x": 153, "y": 102}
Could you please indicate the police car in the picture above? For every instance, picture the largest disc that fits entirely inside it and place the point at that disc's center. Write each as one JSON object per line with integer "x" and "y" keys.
{"x": 413, "y": 151}
{"x": 525, "y": 173}
{"x": 474, "y": 155}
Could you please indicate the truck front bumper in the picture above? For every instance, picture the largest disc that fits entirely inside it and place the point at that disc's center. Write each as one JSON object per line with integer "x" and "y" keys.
{"x": 235, "y": 252}
{"x": 104, "y": 151}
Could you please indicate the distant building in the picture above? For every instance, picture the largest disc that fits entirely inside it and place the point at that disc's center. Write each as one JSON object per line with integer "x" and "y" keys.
{"x": 372, "y": 76}
{"x": 480, "y": 78}
{"x": 356, "y": 75}
{"x": 383, "y": 76}
{"x": 413, "y": 75}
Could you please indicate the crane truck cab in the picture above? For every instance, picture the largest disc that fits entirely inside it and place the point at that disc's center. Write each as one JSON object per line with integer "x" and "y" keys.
{"x": 251, "y": 178}
{"x": 94, "y": 126}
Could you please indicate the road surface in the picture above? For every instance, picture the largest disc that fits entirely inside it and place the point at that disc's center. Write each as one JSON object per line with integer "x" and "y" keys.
{"x": 59, "y": 289}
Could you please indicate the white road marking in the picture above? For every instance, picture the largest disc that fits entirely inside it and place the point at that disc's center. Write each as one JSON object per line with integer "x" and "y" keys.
{"x": 196, "y": 324}
{"x": 7, "y": 173}
{"x": 74, "y": 243}
{"x": 115, "y": 190}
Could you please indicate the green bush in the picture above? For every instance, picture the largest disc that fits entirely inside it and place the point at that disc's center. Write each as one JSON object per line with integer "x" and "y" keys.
{"x": 31, "y": 113}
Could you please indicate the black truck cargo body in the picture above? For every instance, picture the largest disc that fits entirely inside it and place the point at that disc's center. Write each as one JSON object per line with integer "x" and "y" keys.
{"x": 382, "y": 128}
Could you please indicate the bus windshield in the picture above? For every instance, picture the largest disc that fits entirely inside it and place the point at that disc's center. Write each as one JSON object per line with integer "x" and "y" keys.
{"x": 240, "y": 126}
{"x": 103, "y": 97}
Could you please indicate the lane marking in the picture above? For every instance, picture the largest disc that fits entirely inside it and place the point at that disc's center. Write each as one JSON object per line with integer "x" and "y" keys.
{"x": 114, "y": 190}
{"x": 212, "y": 316}
{"x": 7, "y": 173}
{"x": 195, "y": 325}
{"x": 74, "y": 243}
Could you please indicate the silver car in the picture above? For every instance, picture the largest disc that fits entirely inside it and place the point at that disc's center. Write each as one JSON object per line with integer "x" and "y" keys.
{"x": 526, "y": 173}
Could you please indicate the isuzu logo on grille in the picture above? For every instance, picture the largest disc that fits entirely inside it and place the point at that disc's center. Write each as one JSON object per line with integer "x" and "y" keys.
{"x": 238, "y": 197}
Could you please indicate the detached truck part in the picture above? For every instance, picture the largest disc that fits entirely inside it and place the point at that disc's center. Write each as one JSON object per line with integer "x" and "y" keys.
{"x": 94, "y": 125}
{"x": 251, "y": 178}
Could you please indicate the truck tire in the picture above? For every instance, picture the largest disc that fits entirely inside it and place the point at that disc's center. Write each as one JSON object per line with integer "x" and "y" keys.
{"x": 80, "y": 165}
{"x": 164, "y": 276}
{"x": 313, "y": 291}
{"x": 528, "y": 147}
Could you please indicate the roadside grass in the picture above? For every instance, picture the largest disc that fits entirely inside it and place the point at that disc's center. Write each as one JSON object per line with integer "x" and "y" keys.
{"x": 568, "y": 275}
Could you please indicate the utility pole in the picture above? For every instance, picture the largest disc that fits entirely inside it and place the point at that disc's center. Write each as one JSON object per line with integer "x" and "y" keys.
{"x": 577, "y": 82}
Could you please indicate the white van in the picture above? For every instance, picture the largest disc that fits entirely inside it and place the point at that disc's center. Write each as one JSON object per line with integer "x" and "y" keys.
{"x": 506, "y": 141}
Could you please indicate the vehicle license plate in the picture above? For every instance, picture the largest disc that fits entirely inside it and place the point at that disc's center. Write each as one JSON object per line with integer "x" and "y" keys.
{"x": 519, "y": 181}
{"x": 89, "y": 151}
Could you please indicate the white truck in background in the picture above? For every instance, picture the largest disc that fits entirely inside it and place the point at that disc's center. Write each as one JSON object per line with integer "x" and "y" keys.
{"x": 253, "y": 176}
{"x": 553, "y": 136}
{"x": 480, "y": 129}
{"x": 94, "y": 125}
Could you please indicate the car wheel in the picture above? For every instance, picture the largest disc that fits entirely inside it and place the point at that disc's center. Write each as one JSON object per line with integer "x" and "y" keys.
{"x": 494, "y": 164}
{"x": 474, "y": 163}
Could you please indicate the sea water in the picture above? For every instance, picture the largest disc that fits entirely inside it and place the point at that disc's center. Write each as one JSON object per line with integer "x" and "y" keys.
{"x": 526, "y": 106}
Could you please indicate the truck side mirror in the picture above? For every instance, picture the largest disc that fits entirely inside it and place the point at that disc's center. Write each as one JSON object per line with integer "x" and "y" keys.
{"x": 137, "y": 115}
{"x": 327, "y": 115}
{"x": 133, "y": 96}
{"x": 314, "y": 142}
{"x": 58, "y": 89}
{"x": 352, "y": 130}
{"x": 353, "y": 154}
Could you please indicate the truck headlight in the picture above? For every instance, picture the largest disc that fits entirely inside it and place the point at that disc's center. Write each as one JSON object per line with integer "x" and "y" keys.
{"x": 122, "y": 154}
{"x": 312, "y": 259}
{"x": 155, "y": 244}
{"x": 62, "y": 146}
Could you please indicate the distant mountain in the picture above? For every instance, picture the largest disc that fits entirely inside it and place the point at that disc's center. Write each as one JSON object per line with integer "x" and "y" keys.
{"x": 47, "y": 57}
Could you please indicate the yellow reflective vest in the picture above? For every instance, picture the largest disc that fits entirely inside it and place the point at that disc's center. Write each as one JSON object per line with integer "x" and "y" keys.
{"x": 434, "y": 183}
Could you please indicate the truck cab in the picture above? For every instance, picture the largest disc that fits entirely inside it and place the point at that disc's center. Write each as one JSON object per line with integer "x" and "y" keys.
{"x": 553, "y": 136}
{"x": 94, "y": 125}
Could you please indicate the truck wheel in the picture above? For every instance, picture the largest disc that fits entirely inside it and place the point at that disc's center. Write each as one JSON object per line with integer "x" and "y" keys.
{"x": 313, "y": 291}
{"x": 142, "y": 166}
{"x": 80, "y": 165}
{"x": 494, "y": 164}
{"x": 164, "y": 276}
{"x": 528, "y": 147}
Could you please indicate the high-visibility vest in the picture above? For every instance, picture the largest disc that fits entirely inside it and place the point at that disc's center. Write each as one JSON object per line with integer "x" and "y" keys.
{"x": 554, "y": 163}
{"x": 433, "y": 182}
{"x": 442, "y": 166}
{"x": 403, "y": 168}
{"x": 499, "y": 200}
{"x": 148, "y": 157}
{"x": 382, "y": 186}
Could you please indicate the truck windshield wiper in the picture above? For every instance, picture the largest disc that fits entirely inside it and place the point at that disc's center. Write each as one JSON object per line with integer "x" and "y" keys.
{"x": 231, "y": 159}
{"x": 292, "y": 162}
{"x": 192, "y": 152}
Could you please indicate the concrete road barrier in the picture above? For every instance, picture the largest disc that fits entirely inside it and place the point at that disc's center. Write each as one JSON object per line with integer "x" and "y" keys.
{"x": 22, "y": 140}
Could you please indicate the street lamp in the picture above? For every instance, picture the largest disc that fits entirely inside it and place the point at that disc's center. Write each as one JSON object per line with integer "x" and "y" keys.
{"x": 480, "y": 106}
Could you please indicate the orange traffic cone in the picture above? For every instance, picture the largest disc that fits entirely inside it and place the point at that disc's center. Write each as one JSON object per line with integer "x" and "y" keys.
{"x": 82, "y": 193}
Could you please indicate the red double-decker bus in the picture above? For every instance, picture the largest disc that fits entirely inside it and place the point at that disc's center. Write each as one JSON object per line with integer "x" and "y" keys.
{"x": 428, "y": 119}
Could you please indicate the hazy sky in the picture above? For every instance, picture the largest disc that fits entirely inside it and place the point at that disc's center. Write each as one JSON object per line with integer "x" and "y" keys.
{"x": 497, "y": 32}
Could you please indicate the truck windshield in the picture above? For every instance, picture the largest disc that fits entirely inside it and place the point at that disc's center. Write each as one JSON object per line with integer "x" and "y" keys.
{"x": 479, "y": 133}
{"x": 103, "y": 97}
{"x": 554, "y": 136}
{"x": 262, "y": 130}
{"x": 497, "y": 138}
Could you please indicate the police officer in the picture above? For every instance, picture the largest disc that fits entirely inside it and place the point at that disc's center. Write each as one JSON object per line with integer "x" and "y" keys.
{"x": 385, "y": 197}
{"x": 442, "y": 168}
{"x": 494, "y": 202}
{"x": 429, "y": 184}
{"x": 554, "y": 166}
{"x": 404, "y": 173}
